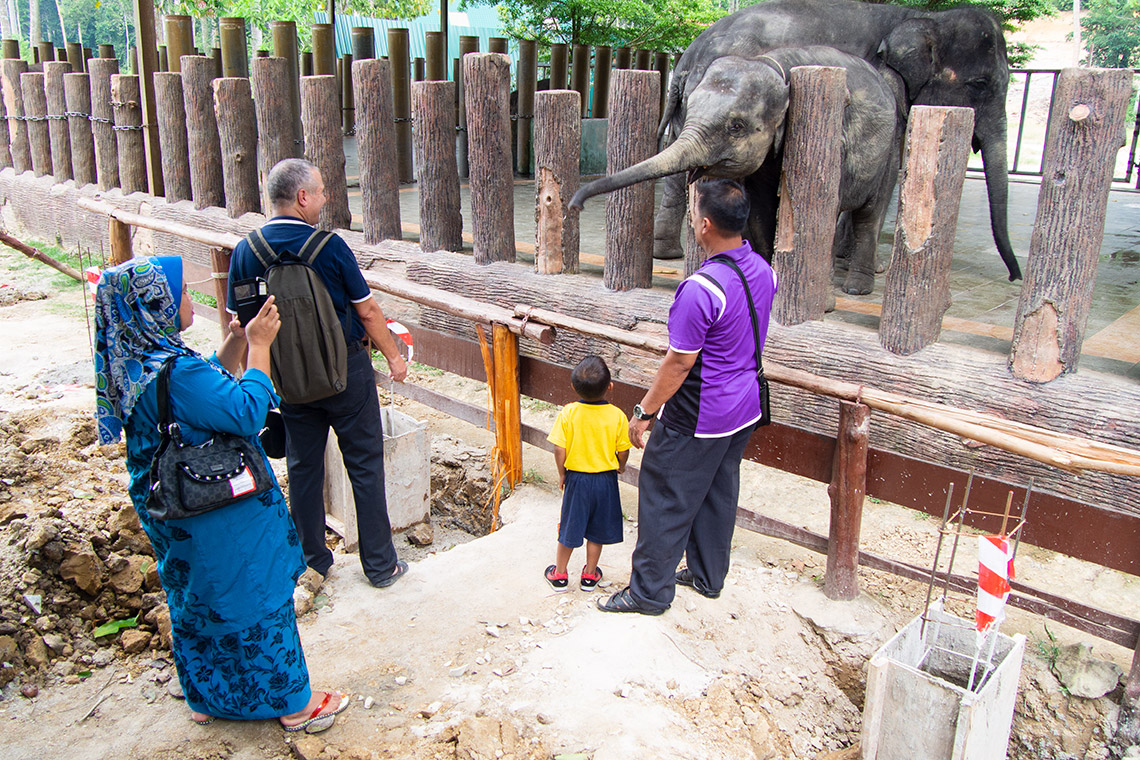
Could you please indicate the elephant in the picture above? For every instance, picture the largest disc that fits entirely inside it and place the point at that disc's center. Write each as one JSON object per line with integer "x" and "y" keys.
{"x": 947, "y": 58}
{"x": 735, "y": 127}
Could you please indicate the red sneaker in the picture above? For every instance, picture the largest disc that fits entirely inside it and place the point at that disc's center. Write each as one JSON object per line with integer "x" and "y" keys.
{"x": 558, "y": 581}
{"x": 590, "y": 582}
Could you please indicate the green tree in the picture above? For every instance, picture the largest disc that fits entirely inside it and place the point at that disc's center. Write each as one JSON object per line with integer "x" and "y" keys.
{"x": 1111, "y": 31}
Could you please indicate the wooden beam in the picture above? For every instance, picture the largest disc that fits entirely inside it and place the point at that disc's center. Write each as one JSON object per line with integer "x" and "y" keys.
{"x": 120, "y": 234}
{"x": 220, "y": 264}
{"x": 39, "y": 256}
{"x": 847, "y": 488}
{"x": 508, "y": 403}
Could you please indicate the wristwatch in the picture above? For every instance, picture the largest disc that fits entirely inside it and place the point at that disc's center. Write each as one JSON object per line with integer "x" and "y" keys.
{"x": 641, "y": 414}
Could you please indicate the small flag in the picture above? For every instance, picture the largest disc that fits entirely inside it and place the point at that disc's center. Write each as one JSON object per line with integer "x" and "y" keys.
{"x": 995, "y": 569}
{"x": 403, "y": 334}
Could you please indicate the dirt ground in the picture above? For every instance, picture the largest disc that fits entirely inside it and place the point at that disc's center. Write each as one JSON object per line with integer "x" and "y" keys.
{"x": 472, "y": 655}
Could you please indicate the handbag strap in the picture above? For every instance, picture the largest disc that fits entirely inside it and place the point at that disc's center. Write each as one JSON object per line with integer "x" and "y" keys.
{"x": 751, "y": 308}
{"x": 162, "y": 392}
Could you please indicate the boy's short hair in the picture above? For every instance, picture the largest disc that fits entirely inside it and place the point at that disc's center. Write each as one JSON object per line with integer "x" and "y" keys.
{"x": 591, "y": 378}
{"x": 723, "y": 202}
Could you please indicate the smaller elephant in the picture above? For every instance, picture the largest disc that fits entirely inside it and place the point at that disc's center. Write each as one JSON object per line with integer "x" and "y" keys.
{"x": 734, "y": 127}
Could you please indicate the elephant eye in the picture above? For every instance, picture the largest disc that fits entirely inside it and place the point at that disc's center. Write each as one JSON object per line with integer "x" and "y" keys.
{"x": 736, "y": 126}
{"x": 977, "y": 86}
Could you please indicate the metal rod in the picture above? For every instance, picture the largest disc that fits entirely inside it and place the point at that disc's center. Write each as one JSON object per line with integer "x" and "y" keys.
{"x": 937, "y": 555}
{"x": 954, "y": 550}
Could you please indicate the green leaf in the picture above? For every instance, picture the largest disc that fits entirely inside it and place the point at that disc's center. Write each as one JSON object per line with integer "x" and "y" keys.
{"x": 574, "y": 756}
{"x": 84, "y": 674}
{"x": 115, "y": 626}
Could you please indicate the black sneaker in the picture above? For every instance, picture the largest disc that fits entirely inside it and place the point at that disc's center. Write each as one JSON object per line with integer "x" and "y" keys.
{"x": 558, "y": 581}
{"x": 590, "y": 582}
{"x": 686, "y": 578}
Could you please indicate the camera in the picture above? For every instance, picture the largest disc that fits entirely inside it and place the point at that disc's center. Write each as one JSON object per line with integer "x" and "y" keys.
{"x": 249, "y": 296}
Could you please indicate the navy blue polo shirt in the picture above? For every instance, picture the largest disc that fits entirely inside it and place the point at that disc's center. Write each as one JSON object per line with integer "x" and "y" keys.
{"x": 336, "y": 266}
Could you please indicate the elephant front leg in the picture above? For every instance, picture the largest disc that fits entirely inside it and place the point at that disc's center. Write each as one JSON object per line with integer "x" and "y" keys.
{"x": 865, "y": 228}
{"x": 670, "y": 218}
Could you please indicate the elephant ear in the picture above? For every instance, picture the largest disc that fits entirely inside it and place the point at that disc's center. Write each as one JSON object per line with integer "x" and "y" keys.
{"x": 911, "y": 50}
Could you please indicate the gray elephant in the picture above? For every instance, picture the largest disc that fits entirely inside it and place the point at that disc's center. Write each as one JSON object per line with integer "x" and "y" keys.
{"x": 735, "y": 126}
{"x": 948, "y": 58}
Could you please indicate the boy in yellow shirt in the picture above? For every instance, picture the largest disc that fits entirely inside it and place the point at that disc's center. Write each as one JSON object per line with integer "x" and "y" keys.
{"x": 591, "y": 445}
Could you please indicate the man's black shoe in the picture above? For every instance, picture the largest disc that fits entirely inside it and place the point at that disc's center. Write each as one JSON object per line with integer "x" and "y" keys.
{"x": 623, "y": 601}
{"x": 685, "y": 578}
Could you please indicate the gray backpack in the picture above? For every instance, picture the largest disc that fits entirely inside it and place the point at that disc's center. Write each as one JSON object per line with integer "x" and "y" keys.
{"x": 309, "y": 359}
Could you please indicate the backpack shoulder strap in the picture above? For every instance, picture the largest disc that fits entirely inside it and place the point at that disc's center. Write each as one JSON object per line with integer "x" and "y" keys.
{"x": 313, "y": 246}
{"x": 261, "y": 249}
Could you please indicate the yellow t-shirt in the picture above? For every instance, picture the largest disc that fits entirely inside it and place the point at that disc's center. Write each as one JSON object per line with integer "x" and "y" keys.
{"x": 592, "y": 434}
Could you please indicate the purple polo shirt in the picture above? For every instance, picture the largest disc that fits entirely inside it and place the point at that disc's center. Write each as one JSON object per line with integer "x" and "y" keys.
{"x": 709, "y": 317}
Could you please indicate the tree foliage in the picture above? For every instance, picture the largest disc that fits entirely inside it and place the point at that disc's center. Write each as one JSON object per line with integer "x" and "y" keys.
{"x": 1111, "y": 31}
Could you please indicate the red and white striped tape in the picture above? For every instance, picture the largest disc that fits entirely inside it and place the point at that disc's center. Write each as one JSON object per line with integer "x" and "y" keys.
{"x": 91, "y": 275}
{"x": 403, "y": 334}
{"x": 995, "y": 569}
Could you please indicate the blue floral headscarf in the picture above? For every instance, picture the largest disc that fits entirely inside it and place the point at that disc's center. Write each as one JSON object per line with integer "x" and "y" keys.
{"x": 136, "y": 331}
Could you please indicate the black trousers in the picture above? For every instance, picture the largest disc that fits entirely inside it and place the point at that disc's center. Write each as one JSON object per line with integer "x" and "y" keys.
{"x": 355, "y": 416}
{"x": 686, "y": 505}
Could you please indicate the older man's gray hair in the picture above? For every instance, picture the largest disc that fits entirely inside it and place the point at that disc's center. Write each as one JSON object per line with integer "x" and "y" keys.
{"x": 286, "y": 178}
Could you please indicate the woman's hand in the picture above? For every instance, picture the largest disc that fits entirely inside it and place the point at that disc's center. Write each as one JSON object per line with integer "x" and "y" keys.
{"x": 263, "y": 328}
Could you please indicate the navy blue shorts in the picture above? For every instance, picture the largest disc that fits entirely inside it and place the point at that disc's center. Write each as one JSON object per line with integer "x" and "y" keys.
{"x": 591, "y": 509}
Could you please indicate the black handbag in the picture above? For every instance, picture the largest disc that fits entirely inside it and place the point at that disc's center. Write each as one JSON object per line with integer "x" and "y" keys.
{"x": 765, "y": 400}
{"x": 191, "y": 480}
{"x": 272, "y": 436}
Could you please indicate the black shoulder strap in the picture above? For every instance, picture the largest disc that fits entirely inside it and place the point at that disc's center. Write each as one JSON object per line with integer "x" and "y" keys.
{"x": 261, "y": 248}
{"x": 751, "y": 308}
{"x": 163, "y": 394}
{"x": 313, "y": 246}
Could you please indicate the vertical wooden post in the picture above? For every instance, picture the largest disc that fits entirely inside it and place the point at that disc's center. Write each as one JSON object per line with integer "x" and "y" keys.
{"x": 621, "y": 58}
{"x": 642, "y": 60}
{"x": 497, "y": 45}
{"x": 203, "y": 143}
{"x": 1085, "y": 132}
{"x": 235, "y": 55}
{"x": 441, "y": 222}
{"x": 917, "y": 291}
{"x": 163, "y": 61}
{"x": 419, "y": 70}
{"x": 324, "y": 146}
{"x": 45, "y": 51}
{"x": 526, "y": 76}
{"x": 629, "y": 211}
{"x": 809, "y": 193}
{"x": 77, "y": 93}
{"x": 5, "y": 136}
{"x": 847, "y": 489}
{"x": 285, "y": 46}
{"x": 10, "y": 48}
{"x": 128, "y": 131}
{"x": 376, "y": 146}
{"x": 435, "y": 57}
{"x": 467, "y": 44}
{"x": 179, "y": 42}
{"x": 272, "y": 84}
{"x": 487, "y": 77}
{"x": 508, "y": 411}
{"x": 603, "y": 62}
{"x": 75, "y": 56}
{"x": 580, "y": 76}
{"x": 57, "y": 119}
{"x": 558, "y": 60}
{"x": 172, "y": 136}
{"x": 14, "y": 108}
{"x": 220, "y": 264}
{"x": 661, "y": 65}
{"x": 348, "y": 105}
{"x": 237, "y": 136}
{"x": 103, "y": 121}
{"x": 324, "y": 51}
{"x": 306, "y": 68}
{"x": 105, "y": 51}
{"x": 35, "y": 111}
{"x": 119, "y": 234}
{"x": 363, "y": 43}
{"x": 558, "y": 141}
{"x": 148, "y": 64}
{"x": 401, "y": 100}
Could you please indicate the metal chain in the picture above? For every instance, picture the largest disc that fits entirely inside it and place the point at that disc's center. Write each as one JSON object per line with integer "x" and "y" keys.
{"x": 127, "y": 128}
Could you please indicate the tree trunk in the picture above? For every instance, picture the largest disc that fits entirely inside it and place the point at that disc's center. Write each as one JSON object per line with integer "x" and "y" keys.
{"x": 401, "y": 101}
{"x": 376, "y": 145}
{"x": 57, "y": 121}
{"x": 238, "y": 138}
{"x": 202, "y": 141}
{"x": 558, "y": 141}
{"x": 103, "y": 120}
{"x": 272, "y": 97}
{"x": 486, "y": 79}
{"x": 77, "y": 91}
{"x": 809, "y": 197}
{"x": 171, "y": 110}
{"x": 917, "y": 292}
{"x": 35, "y": 109}
{"x": 629, "y": 211}
{"x": 1086, "y": 129}
{"x": 324, "y": 146}
{"x": 125, "y": 98}
{"x": 847, "y": 489}
{"x": 441, "y": 222}
{"x": 14, "y": 108}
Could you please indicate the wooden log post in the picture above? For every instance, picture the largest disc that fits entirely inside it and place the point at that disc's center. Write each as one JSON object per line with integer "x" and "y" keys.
{"x": 146, "y": 32}
{"x": 558, "y": 62}
{"x": 419, "y": 70}
{"x": 206, "y": 183}
{"x": 621, "y": 58}
{"x": 172, "y": 136}
{"x": 105, "y": 51}
{"x": 14, "y": 108}
{"x": 467, "y": 44}
{"x": 119, "y": 236}
{"x": 272, "y": 85}
{"x": 324, "y": 50}
{"x": 45, "y": 51}
{"x": 1085, "y": 132}
{"x": 917, "y": 291}
{"x": 661, "y": 65}
{"x": 603, "y": 63}
{"x": 5, "y": 135}
{"x": 629, "y": 212}
{"x": 57, "y": 118}
{"x": 376, "y": 146}
{"x": 179, "y": 42}
{"x": 235, "y": 55}
{"x": 220, "y": 267}
{"x": 77, "y": 93}
{"x": 643, "y": 60}
{"x": 580, "y": 75}
{"x": 128, "y": 132}
{"x": 558, "y": 141}
{"x": 285, "y": 46}
{"x": 10, "y": 48}
{"x": 441, "y": 221}
{"x": 847, "y": 488}
{"x": 809, "y": 193}
{"x": 324, "y": 146}
{"x": 401, "y": 100}
{"x": 75, "y": 56}
{"x": 487, "y": 78}
{"x": 348, "y": 105}
{"x": 237, "y": 134}
{"x": 433, "y": 42}
{"x": 498, "y": 45}
{"x": 103, "y": 121}
{"x": 508, "y": 402}
{"x": 35, "y": 112}
{"x": 305, "y": 66}
{"x": 527, "y": 77}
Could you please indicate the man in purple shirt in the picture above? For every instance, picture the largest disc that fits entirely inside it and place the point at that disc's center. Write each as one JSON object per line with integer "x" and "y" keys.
{"x": 706, "y": 397}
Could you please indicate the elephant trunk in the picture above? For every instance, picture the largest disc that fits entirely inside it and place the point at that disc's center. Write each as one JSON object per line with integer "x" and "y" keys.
{"x": 682, "y": 155}
{"x": 994, "y": 149}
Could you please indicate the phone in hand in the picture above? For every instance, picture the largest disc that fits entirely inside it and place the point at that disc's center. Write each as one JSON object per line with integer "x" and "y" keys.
{"x": 249, "y": 296}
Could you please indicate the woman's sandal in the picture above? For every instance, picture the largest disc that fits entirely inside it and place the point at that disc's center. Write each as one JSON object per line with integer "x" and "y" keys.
{"x": 317, "y": 722}
{"x": 204, "y": 721}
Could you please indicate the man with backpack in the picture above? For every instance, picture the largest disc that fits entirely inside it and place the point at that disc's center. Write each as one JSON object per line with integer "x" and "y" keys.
{"x": 321, "y": 366}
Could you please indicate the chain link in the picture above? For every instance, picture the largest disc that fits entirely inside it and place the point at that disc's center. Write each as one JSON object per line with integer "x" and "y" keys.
{"x": 127, "y": 128}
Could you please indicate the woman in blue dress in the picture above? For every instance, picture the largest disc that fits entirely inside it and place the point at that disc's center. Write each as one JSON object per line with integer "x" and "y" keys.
{"x": 229, "y": 574}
